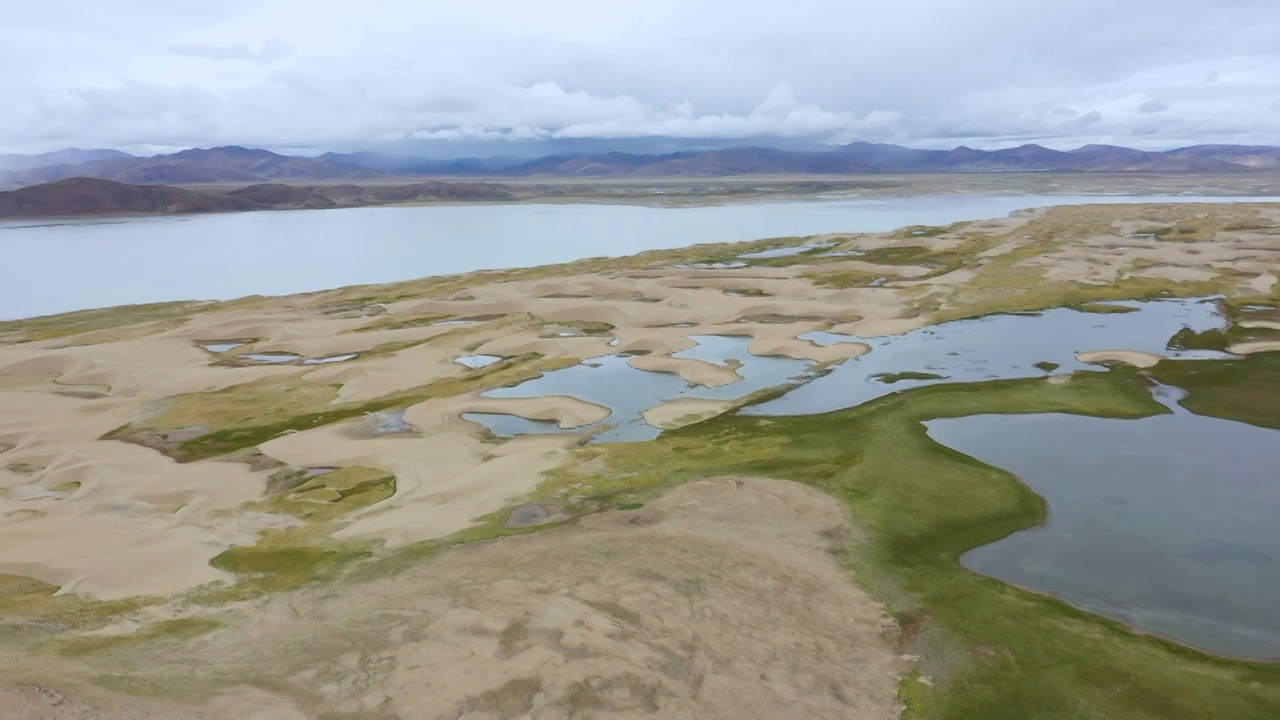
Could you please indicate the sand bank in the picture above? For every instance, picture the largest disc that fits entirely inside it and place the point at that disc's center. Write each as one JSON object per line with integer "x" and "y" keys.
{"x": 1136, "y": 358}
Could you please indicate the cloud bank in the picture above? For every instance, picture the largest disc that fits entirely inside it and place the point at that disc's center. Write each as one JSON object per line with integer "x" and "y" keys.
{"x": 139, "y": 74}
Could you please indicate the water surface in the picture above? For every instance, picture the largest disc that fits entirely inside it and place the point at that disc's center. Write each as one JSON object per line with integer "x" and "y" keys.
{"x": 50, "y": 267}
{"x": 995, "y": 347}
{"x": 1168, "y": 523}
{"x": 611, "y": 382}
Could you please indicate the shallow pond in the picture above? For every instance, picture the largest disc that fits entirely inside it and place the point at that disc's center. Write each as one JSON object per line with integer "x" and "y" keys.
{"x": 270, "y": 357}
{"x": 1168, "y": 523}
{"x": 330, "y": 359}
{"x": 477, "y": 361}
{"x": 222, "y": 346}
{"x": 611, "y": 382}
{"x": 993, "y": 347}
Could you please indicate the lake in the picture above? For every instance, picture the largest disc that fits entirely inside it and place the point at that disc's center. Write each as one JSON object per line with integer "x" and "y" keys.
{"x": 52, "y": 267}
{"x": 1166, "y": 523}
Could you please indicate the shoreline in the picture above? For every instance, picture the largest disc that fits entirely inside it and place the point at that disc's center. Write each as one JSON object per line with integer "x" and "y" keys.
{"x": 685, "y": 192}
{"x": 285, "y": 285}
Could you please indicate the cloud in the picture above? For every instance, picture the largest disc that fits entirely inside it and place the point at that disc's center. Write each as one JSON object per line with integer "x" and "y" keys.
{"x": 270, "y": 51}
{"x": 299, "y": 74}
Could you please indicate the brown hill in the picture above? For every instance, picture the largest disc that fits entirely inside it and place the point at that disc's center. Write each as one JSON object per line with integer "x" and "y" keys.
{"x": 200, "y": 165}
{"x": 281, "y": 196}
{"x": 90, "y": 196}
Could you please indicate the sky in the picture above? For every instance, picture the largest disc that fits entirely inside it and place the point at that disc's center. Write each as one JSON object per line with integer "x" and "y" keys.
{"x": 494, "y": 77}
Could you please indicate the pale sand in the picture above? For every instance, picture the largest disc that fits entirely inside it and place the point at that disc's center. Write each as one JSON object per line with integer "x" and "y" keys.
{"x": 1136, "y": 358}
{"x": 1248, "y": 348}
{"x": 1260, "y": 324}
{"x": 567, "y": 412}
{"x": 700, "y": 605}
{"x": 883, "y": 327}
{"x": 1263, "y": 283}
{"x": 684, "y": 411}
{"x": 697, "y": 372}
{"x": 785, "y": 344}
{"x": 447, "y": 478}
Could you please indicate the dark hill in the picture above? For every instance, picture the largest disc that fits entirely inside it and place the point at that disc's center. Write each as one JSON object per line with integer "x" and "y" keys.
{"x": 90, "y": 196}
{"x": 203, "y": 166}
{"x": 281, "y": 196}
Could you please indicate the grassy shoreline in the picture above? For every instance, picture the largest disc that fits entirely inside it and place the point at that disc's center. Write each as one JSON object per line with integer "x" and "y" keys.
{"x": 991, "y": 650}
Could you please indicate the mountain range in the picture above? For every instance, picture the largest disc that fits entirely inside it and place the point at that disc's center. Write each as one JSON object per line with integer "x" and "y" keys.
{"x": 233, "y": 164}
{"x": 83, "y": 197}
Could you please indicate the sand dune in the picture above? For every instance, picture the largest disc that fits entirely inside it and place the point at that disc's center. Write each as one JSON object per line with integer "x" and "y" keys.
{"x": 567, "y": 412}
{"x": 684, "y": 411}
{"x": 696, "y": 372}
{"x": 1136, "y": 358}
{"x": 1248, "y": 348}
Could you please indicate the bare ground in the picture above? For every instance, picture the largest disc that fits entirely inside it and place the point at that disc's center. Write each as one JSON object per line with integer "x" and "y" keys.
{"x": 698, "y": 605}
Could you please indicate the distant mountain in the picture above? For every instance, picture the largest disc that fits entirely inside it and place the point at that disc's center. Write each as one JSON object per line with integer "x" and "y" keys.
{"x": 70, "y": 156}
{"x": 882, "y": 158}
{"x": 409, "y": 165}
{"x": 1251, "y": 156}
{"x": 862, "y": 157}
{"x": 280, "y": 195}
{"x": 93, "y": 196}
{"x": 89, "y": 196}
{"x": 235, "y": 164}
{"x": 197, "y": 166}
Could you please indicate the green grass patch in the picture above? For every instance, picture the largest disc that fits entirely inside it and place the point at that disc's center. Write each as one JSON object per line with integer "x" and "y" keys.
{"x": 1188, "y": 339}
{"x": 85, "y": 321}
{"x": 843, "y": 278}
{"x": 1103, "y": 308}
{"x": 1047, "y": 366}
{"x": 247, "y": 415}
{"x": 180, "y": 629}
{"x": 912, "y": 231}
{"x": 1246, "y": 390}
{"x": 29, "y": 604}
{"x": 922, "y": 506}
{"x": 397, "y": 322}
{"x": 890, "y": 378}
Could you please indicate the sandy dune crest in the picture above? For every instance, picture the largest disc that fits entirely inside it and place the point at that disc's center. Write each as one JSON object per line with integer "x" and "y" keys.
{"x": 684, "y": 411}
{"x": 1136, "y": 358}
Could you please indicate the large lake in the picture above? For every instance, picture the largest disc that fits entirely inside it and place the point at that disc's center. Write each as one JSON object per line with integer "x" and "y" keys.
{"x": 51, "y": 267}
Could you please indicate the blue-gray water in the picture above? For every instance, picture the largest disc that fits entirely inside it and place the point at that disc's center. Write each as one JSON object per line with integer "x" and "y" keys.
{"x": 995, "y": 347}
{"x": 611, "y": 382}
{"x": 1168, "y": 523}
{"x": 51, "y": 267}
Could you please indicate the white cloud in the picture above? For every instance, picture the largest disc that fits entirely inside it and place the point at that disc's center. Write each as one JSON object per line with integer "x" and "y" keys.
{"x": 318, "y": 73}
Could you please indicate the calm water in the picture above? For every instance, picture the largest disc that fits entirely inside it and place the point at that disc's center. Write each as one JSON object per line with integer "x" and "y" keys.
{"x": 1167, "y": 523}
{"x": 996, "y": 346}
{"x": 55, "y": 267}
{"x": 993, "y": 347}
{"x": 611, "y": 382}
